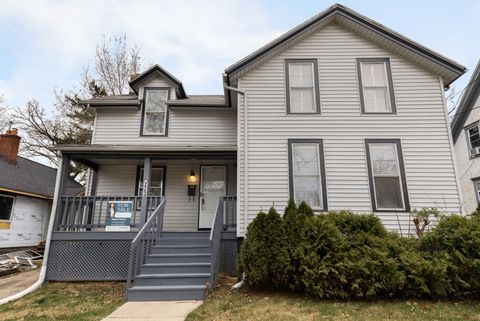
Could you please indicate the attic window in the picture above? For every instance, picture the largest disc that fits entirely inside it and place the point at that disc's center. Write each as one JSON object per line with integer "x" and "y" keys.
{"x": 6, "y": 207}
{"x": 155, "y": 112}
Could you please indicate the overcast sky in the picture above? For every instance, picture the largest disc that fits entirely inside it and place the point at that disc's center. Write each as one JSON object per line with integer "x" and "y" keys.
{"x": 45, "y": 44}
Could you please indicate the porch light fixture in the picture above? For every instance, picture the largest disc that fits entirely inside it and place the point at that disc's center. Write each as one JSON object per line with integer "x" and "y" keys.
{"x": 192, "y": 174}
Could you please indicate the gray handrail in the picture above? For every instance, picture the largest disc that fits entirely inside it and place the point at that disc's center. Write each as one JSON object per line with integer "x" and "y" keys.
{"x": 143, "y": 242}
{"x": 215, "y": 238}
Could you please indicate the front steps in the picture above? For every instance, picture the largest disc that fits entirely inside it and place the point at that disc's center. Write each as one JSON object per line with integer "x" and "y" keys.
{"x": 178, "y": 268}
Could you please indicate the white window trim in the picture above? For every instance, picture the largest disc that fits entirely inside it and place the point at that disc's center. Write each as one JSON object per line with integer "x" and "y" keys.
{"x": 467, "y": 135}
{"x": 476, "y": 188}
{"x": 13, "y": 206}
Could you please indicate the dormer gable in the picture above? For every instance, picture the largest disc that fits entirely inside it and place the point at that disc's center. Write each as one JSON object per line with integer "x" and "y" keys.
{"x": 156, "y": 76}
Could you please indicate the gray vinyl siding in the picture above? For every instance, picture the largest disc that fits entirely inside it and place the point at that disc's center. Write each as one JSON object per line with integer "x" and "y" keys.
{"x": 468, "y": 168}
{"x": 420, "y": 124}
{"x": 181, "y": 214}
{"x": 186, "y": 127}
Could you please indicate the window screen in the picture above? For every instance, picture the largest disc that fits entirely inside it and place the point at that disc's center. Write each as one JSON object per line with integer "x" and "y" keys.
{"x": 156, "y": 182}
{"x": 301, "y": 82}
{"x": 307, "y": 180}
{"x": 6, "y": 207}
{"x": 375, "y": 87}
{"x": 155, "y": 111}
{"x": 386, "y": 176}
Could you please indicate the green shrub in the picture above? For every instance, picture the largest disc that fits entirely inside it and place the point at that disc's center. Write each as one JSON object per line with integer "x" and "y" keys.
{"x": 345, "y": 255}
{"x": 262, "y": 255}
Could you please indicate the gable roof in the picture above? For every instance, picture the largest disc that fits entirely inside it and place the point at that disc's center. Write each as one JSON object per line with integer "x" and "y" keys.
{"x": 31, "y": 178}
{"x": 200, "y": 101}
{"x": 152, "y": 71}
{"x": 447, "y": 68}
{"x": 466, "y": 104}
{"x": 113, "y": 100}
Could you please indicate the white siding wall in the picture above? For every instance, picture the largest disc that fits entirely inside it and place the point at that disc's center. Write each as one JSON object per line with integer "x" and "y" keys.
{"x": 468, "y": 168}
{"x": 121, "y": 126}
{"x": 420, "y": 123}
{"x": 28, "y": 223}
{"x": 181, "y": 214}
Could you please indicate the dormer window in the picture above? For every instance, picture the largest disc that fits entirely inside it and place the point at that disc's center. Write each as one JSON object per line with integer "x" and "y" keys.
{"x": 155, "y": 112}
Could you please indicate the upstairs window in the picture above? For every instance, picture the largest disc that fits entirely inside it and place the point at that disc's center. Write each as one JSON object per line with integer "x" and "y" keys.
{"x": 387, "y": 176}
{"x": 6, "y": 207}
{"x": 376, "y": 88}
{"x": 302, "y": 86}
{"x": 155, "y": 113}
{"x": 473, "y": 138}
{"x": 307, "y": 173}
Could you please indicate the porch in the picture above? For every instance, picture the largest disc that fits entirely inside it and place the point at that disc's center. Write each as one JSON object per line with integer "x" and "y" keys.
{"x": 153, "y": 218}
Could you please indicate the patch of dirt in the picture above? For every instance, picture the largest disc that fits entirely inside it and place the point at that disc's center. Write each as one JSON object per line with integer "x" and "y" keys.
{"x": 17, "y": 282}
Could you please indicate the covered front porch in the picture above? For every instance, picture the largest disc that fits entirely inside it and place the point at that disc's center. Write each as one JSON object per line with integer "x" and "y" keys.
{"x": 191, "y": 182}
{"x": 166, "y": 199}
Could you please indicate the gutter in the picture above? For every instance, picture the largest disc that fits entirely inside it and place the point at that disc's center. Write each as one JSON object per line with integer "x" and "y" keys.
{"x": 43, "y": 270}
{"x": 245, "y": 149}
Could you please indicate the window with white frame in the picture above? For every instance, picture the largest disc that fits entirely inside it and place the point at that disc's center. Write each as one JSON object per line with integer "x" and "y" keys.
{"x": 376, "y": 89}
{"x": 473, "y": 138}
{"x": 155, "y": 111}
{"x": 387, "y": 178}
{"x": 477, "y": 190}
{"x": 306, "y": 173}
{"x": 302, "y": 87}
{"x": 6, "y": 207}
{"x": 157, "y": 178}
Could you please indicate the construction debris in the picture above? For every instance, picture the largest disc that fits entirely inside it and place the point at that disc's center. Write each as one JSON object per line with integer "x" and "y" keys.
{"x": 17, "y": 261}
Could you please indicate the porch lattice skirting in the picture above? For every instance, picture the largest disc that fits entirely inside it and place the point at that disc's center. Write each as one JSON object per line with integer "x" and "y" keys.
{"x": 107, "y": 260}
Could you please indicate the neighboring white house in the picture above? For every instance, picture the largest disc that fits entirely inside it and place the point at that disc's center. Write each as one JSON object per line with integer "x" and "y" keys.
{"x": 466, "y": 135}
{"x": 340, "y": 111}
{"x": 26, "y": 193}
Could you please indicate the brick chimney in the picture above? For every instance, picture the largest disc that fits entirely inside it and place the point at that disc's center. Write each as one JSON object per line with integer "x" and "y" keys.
{"x": 9, "y": 144}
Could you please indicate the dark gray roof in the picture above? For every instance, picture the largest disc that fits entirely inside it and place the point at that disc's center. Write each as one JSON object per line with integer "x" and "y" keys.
{"x": 34, "y": 178}
{"x": 469, "y": 98}
{"x": 114, "y": 100}
{"x": 199, "y": 100}
{"x": 157, "y": 69}
{"x": 351, "y": 15}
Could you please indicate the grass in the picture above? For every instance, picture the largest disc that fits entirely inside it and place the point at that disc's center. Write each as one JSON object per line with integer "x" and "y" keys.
{"x": 247, "y": 304}
{"x": 66, "y": 301}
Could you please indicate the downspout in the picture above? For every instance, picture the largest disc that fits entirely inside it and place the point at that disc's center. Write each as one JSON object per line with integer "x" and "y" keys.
{"x": 245, "y": 147}
{"x": 43, "y": 270}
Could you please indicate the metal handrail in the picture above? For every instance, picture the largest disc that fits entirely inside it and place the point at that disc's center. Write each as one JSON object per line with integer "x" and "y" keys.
{"x": 143, "y": 242}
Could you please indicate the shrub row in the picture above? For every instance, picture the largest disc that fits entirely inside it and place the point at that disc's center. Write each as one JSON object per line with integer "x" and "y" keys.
{"x": 347, "y": 255}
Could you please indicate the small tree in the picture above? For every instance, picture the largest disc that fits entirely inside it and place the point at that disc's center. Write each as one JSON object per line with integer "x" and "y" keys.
{"x": 422, "y": 219}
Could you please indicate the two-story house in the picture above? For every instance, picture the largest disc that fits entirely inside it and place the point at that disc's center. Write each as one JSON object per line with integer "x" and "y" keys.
{"x": 340, "y": 111}
{"x": 466, "y": 136}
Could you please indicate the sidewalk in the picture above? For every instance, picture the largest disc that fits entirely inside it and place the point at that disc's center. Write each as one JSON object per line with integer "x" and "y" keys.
{"x": 150, "y": 311}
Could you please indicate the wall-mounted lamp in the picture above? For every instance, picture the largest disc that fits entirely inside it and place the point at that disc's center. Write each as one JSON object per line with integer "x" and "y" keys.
{"x": 192, "y": 174}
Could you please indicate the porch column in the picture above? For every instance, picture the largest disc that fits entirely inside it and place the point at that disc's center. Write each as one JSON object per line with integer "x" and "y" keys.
{"x": 147, "y": 169}
{"x": 62, "y": 174}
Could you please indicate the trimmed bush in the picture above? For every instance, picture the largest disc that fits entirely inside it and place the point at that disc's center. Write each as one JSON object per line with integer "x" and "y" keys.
{"x": 346, "y": 255}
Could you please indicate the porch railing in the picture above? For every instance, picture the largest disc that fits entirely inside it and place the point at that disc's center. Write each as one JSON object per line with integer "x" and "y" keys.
{"x": 143, "y": 242}
{"x": 225, "y": 217}
{"x": 89, "y": 213}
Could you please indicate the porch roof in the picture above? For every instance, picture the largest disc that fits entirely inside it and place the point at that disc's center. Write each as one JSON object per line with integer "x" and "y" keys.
{"x": 90, "y": 154}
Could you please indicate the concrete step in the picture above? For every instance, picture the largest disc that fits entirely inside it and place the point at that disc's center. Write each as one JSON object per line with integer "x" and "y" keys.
{"x": 193, "y": 235}
{"x": 172, "y": 279}
{"x": 170, "y": 268}
{"x": 184, "y": 248}
{"x": 166, "y": 293}
{"x": 179, "y": 258}
{"x": 183, "y": 241}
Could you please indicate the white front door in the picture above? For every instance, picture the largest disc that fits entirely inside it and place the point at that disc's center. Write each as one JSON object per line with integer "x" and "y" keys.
{"x": 212, "y": 187}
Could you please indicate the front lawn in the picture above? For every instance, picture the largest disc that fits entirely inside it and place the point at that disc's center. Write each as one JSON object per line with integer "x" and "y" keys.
{"x": 253, "y": 305}
{"x": 66, "y": 301}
